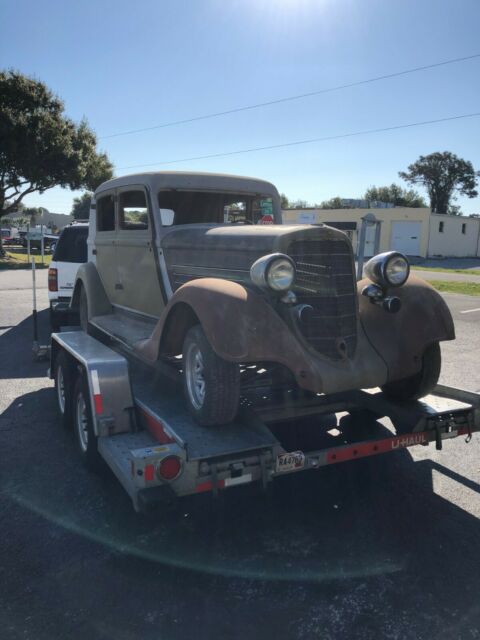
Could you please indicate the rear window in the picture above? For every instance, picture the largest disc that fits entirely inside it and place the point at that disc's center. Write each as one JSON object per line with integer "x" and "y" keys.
{"x": 72, "y": 245}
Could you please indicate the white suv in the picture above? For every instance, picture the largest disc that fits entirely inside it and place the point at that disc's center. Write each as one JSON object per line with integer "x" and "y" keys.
{"x": 70, "y": 253}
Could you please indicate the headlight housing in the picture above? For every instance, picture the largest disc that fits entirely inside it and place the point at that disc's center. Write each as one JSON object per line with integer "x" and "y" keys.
{"x": 389, "y": 269}
{"x": 275, "y": 272}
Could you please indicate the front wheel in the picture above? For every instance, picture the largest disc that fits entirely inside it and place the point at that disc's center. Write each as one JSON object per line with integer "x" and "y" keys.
{"x": 422, "y": 383}
{"x": 211, "y": 385}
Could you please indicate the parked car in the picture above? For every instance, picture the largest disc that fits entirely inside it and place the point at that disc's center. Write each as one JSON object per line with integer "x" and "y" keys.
{"x": 173, "y": 273}
{"x": 70, "y": 252}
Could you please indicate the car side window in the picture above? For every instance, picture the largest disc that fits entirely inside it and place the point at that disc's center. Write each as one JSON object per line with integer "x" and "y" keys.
{"x": 106, "y": 213}
{"x": 133, "y": 210}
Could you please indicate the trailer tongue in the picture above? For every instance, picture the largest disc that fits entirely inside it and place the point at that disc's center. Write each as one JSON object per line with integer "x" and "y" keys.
{"x": 137, "y": 422}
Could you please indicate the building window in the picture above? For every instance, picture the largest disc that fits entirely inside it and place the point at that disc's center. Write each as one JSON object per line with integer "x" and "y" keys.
{"x": 464, "y": 228}
{"x": 440, "y": 227}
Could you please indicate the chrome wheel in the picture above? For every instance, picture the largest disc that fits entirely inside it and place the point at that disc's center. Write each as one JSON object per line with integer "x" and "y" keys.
{"x": 194, "y": 376}
{"x": 82, "y": 422}
{"x": 61, "y": 390}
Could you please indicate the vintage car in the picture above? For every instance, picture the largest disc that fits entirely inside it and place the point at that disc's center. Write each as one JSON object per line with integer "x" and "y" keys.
{"x": 198, "y": 268}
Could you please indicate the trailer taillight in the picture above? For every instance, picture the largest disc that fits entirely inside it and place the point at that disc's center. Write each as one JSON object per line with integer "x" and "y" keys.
{"x": 169, "y": 468}
{"x": 52, "y": 279}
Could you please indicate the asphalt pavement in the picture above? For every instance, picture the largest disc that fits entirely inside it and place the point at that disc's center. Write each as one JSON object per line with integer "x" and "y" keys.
{"x": 385, "y": 547}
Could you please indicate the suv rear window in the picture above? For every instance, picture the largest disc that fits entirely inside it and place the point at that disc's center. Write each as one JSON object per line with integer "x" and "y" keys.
{"x": 72, "y": 245}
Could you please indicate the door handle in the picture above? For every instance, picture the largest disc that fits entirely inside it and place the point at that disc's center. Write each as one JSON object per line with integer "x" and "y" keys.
{"x": 119, "y": 286}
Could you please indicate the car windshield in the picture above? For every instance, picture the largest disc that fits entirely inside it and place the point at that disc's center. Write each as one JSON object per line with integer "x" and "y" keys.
{"x": 191, "y": 207}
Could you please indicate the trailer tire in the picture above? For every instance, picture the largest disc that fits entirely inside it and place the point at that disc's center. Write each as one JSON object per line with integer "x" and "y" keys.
{"x": 211, "y": 385}
{"x": 421, "y": 383}
{"x": 87, "y": 441}
{"x": 64, "y": 379}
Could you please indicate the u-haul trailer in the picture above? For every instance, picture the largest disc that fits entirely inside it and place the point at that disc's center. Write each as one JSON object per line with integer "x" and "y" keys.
{"x": 134, "y": 418}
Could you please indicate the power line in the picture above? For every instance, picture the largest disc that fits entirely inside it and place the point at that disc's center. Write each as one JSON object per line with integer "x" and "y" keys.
{"x": 291, "y": 98}
{"x": 308, "y": 141}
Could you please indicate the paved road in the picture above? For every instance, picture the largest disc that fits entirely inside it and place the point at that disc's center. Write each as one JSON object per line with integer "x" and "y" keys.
{"x": 381, "y": 548}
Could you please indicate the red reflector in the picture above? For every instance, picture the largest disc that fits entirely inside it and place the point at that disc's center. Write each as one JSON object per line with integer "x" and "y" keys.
{"x": 98, "y": 404}
{"x": 169, "y": 468}
{"x": 52, "y": 279}
{"x": 149, "y": 472}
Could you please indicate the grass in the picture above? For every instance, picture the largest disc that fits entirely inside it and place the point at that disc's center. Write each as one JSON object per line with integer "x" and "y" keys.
{"x": 470, "y": 272}
{"x": 18, "y": 259}
{"x": 452, "y": 286}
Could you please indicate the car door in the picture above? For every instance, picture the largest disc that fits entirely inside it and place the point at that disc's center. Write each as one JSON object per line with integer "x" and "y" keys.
{"x": 106, "y": 245}
{"x": 136, "y": 264}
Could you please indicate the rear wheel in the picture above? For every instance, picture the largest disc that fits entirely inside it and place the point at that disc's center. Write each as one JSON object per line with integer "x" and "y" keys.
{"x": 421, "y": 383}
{"x": 63, "y": 372}
{"x": 83, "y": 424}
{"x": 211, "y": 385}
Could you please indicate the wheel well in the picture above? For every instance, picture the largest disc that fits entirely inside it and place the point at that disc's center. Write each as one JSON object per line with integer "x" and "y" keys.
{"x": 180, "y": 319}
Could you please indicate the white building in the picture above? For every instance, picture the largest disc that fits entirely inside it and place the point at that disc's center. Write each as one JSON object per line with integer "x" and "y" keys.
{"x": 413, "y": 231}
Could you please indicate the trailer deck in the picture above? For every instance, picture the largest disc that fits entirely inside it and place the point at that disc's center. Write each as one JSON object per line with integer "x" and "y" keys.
{"x": 141, "y": 423}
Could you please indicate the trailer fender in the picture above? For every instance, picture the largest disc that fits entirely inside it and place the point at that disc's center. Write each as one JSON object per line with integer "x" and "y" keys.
{"x": 401, "y": 338}
{"x": 238, "y": 323}
{"x": 97, "y": 300}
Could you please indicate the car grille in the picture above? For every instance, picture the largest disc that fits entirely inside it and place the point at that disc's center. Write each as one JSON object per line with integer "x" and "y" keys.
{"x": 325, "y": 281}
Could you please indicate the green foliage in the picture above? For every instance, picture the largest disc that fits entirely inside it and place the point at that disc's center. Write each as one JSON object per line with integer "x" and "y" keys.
{"x": 81, "y": 206}
{"x": 333, "y": 203}
{"x": 40, "y": 147}
{"x": 284, "y": 202}
{"x": 443, "y": 175}
{"x": 396, "y": 195}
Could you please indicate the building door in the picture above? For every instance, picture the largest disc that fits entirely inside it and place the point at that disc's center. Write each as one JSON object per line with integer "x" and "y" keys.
{"x": 406, "y": 237}
{"x": 369, "y": 241}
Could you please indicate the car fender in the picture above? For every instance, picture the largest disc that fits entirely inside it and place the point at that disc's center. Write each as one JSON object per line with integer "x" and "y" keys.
{"x": 240, "y": 324}
{"x": 89, "y": 278}
{"x": 401, "y": 338}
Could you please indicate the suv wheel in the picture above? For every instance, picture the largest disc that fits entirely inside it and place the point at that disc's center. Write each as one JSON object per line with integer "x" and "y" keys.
{"x": 421, "y": 383}
{"x": 211, "y": 385}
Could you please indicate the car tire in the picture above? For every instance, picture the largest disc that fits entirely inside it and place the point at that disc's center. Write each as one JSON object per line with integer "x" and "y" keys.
{"x": 63, "y": 376}
{"x": 421, "y": 383}
{"x": 86, "y": 440}
{"x": 83, "y": 309}
{"x": 211, "y": 385}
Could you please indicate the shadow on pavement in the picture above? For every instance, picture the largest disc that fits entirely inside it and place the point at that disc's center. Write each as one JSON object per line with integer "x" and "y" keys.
{"x": 358, "y": 550}
{"x": 16, "y": 360}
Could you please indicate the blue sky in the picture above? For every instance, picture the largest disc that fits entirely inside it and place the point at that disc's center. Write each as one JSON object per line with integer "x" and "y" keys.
{"x": 126, "y": 65}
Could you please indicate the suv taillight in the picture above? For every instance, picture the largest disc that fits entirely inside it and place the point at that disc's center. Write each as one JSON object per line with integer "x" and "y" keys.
{"x": 52, "y": 279}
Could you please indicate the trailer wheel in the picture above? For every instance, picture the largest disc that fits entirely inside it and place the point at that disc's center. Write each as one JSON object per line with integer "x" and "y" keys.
{"x": 63, "y": 371}
{"x": 211, "y": 385}
{"x": 83, "y": 424}
{"x": 421, "y": 383}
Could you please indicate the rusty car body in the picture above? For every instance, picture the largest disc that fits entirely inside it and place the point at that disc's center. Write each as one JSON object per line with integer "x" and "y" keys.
{"x": 180, "y": 264}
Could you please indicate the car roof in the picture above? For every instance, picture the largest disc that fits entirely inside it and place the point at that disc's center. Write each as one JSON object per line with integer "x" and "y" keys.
{"x": 192, "y": 180}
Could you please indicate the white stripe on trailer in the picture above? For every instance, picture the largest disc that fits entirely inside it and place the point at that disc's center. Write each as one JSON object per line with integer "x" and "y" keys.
{"x": 230, "y": 482}
{"x": 95, "y": 382}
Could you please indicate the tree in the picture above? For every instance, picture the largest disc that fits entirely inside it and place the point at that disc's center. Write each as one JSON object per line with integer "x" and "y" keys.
{"x": 284, "y": 202}
{"x": 443, "y": 175}
{"x": 81, "y": 206}
{"x": 40, "y": 147}
{"x": 333, "y": 203}
{"x": 396, "y": 195}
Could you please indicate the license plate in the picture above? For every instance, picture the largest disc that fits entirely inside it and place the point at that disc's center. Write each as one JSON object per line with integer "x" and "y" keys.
{"x": 290, "y": 461}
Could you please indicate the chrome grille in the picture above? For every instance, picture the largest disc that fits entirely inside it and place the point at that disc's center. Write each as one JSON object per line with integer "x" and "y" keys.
{"x": 326, "y": 281}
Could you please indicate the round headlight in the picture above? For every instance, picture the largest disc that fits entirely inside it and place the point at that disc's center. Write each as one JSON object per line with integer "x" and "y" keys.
{"x": 390, "y": 269}
{"x": 280, "y": 274}
{"x": 275, "y": 271}
{"x": 397, "y": 270}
